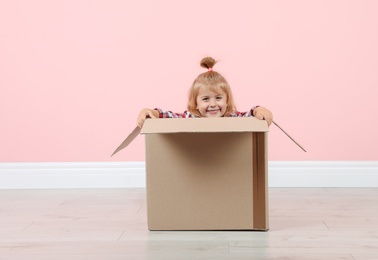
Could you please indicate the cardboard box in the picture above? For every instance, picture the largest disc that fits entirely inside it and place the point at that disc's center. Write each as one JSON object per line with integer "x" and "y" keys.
{"x": 207, "y": 173}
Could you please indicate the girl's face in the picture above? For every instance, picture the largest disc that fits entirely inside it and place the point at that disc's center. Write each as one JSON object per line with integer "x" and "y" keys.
{"x": 211, "y": 104}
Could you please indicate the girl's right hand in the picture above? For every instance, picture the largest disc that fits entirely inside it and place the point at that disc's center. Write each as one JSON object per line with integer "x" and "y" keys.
{"x": 146, "y": 113}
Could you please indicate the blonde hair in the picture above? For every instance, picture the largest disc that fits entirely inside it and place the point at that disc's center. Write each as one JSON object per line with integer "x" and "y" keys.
{"x": 212, "y": 81}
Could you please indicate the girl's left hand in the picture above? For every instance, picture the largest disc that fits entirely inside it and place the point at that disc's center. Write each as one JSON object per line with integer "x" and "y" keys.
{"x": 263, "y": 114}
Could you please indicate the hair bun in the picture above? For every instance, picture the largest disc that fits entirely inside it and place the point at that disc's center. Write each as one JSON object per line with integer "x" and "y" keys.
{"x": 208, "y": 63}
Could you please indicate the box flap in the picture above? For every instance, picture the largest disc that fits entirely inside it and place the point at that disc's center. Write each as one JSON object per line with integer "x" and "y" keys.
{"x": 128, "y": 140}
{"x": 204, "y": 125}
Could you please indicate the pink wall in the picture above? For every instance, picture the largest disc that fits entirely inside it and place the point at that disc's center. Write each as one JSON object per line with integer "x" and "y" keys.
{"x": 74, "y": 74}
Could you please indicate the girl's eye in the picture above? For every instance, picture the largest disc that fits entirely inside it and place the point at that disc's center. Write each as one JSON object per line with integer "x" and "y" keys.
{"x": 219, "y": 98}
{"x": 205, "y": 99}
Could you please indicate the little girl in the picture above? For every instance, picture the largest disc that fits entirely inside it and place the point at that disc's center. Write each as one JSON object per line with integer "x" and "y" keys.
{"x": 209, "y": 96}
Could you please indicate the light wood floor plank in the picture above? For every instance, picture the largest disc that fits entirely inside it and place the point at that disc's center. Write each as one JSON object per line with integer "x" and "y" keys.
{"x": 305, "y": 223}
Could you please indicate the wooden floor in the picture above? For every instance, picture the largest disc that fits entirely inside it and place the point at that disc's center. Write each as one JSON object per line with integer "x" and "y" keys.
{"x": 305, "y": 223}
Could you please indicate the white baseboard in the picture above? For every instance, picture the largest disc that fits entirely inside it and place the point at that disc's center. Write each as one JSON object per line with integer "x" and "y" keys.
{"x": 132, "y": 174}
{"x": 323, "y": 174}
{"x": 72, "y": 175}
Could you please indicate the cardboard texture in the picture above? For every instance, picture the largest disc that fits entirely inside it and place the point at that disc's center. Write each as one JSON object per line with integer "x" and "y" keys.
{"x": 206, "y": 173}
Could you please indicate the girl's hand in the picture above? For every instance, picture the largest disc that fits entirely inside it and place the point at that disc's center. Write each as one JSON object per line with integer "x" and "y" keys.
{"x": 263, "y": 114}
{"x": 146, "y": 113}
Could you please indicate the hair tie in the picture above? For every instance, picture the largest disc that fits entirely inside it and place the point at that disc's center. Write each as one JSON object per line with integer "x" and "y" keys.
{"x": 210, "y": 69}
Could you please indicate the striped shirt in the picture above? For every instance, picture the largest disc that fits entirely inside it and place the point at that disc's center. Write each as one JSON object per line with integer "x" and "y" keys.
{"x": 187, "y": 114}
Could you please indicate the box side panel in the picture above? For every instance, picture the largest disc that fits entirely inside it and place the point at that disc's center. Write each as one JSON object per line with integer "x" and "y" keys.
{"x": 265, "y": 143}
{"x": 260, "y": 181}
{"x": 199, "y": 181}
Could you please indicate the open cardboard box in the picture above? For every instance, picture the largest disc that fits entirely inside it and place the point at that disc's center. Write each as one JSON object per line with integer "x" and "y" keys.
{"x": 206, "y": 173}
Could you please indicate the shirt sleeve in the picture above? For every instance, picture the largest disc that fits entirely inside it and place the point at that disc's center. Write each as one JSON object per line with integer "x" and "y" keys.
{"x": 170, "y": 114}
{"x": 248, "y": 113}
